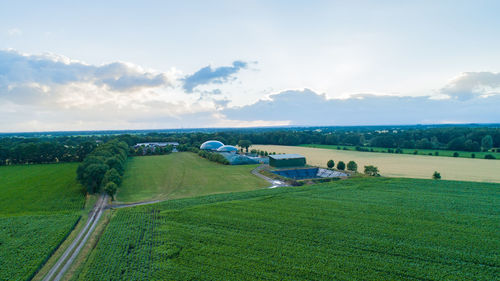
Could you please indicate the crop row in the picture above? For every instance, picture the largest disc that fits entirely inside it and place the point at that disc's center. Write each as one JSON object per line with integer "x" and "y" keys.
{"x": 386, "y": 229}
{"x": 26, "y": 242}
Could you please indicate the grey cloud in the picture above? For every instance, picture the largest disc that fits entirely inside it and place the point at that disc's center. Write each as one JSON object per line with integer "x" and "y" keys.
{"x": 208, "y": 75}
{"x": 470, "y": 84}
{"x": 309, "y": 108}
{"x": 16, "y": 69}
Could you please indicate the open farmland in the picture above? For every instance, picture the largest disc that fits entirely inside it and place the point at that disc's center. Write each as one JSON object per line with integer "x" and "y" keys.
{"x": 359, "y": 229}
{"x": 39, "y": 206}
{"x": 400, "y": 165}
{"x": 419, "y": 151}
{"x": 179, "y": 175}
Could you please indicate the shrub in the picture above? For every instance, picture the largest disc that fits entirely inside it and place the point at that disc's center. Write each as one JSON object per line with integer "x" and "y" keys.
{"x": 341, "y": 165}
{"x": 455, "y": 154}
{"x": 352, "y": 166}
{"x": 436, "y": 175}
{"x": 436, "y": 153}
{"x": 330, "y": 164}
{"x": 473, "y": 155}
{"x": 415, "y": 152}
{"x": 489, "y": 156}
{"x": 296, "y": 183}
{"x": 372, "y": 171}
{"x": 110, "y": 189}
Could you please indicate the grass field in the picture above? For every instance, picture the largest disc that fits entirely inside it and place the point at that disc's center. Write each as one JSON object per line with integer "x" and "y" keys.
{"x": 179, "y": 175}
{"x": 39, "y": 206}
{"x": 358, "y": 229}
{"x": 400, "y": 165}
{"x": 445, "y": 153}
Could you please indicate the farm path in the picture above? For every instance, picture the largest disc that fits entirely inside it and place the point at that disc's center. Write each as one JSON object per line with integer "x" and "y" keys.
{"x": 274, "y": 183}
{"x": 134, "y": 204}
{"x": 65, "y": 261}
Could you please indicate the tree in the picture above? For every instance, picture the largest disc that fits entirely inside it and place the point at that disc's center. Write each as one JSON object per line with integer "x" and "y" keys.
{"x": 93, "y": 176}
{"x": 330, "y": 164}
{"x": 487, "y": 142}
{"x": 245, "y": 144}
{"x": 455, "y": 154}
{"x": 112, "y": 176}
{"x": 352, "y": 166}
{"x": 110, "y": 189}
{"x": 341, "y": 165}
{"x": 371, "y": 171}
{"x": 436, "y": 175}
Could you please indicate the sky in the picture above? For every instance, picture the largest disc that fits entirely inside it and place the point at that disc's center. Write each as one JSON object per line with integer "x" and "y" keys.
{"x": 98, "y": 65}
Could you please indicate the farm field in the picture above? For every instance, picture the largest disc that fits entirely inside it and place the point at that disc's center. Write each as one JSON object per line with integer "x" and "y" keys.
{"x": 39, "y": 206}
{"x": 400, "y": 165}
{"x": 445, "y": 153}
{"x": 179, "y": 175}
{"x": 358, "y": 229}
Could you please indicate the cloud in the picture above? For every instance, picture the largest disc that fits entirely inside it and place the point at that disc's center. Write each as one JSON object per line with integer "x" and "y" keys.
{"x": 209, "y": 75}
{"x": 18, "y": 70}
{"x": 470, "y": 84}
{"x": 305, "y": 107}
{"x": 14, "y": 32}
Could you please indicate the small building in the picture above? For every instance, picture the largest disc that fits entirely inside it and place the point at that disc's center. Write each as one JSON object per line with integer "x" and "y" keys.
{"x": 287, "y": 160}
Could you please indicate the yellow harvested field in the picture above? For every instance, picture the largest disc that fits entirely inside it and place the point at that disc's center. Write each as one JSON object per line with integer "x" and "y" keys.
{"x": 400, "y": 165}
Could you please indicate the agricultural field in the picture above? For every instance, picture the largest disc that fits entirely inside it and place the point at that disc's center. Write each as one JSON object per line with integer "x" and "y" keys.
{"x": 39, "y": 206}
{"x": 179, "y": 175}
{"x": 431, "y": 152}
{"x": 357, "y": 229}
{"x": 400, "y": 165}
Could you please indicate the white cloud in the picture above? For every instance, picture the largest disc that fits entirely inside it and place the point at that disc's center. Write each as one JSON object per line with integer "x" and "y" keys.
{"x": 52, "y": 92}
{"x": 470, "y": 84}
{"x": 305, "y": 107}
{"x": 14, "y": 32}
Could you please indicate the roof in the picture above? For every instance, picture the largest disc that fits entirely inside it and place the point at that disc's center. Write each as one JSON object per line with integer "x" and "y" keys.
{"x": 286, "y": 156}
{"x": 211, "y": 145}
{"x": 227, "y": 148}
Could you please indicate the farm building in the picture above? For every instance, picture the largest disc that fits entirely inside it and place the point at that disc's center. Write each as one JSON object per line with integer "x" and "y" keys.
{"x": 228, "y": 148}
{"x": 287, "y": 160}
{"x": 211, "y": 145}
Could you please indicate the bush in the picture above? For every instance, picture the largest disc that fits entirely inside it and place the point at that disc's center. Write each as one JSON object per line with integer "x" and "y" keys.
{"x": 473, "y": 155}
{"x": 330, "y": 164}
{"x": 455, "y": 154}
{"x": 436, "y": 175}
{"x": 489, "y": 156}
{"x": 372, "y": 171}
{"x": 110, "y": 189}
{"x": 436, "y": 153}
{"x": 352, "y": 166}
{"x": 415, "y": 152}
{"x": 341, "y": 165}
{"x": 296, "y": 183}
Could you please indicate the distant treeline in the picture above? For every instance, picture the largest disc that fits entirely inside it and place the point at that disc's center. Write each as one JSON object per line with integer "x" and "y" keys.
{"x": 22, "y": 150}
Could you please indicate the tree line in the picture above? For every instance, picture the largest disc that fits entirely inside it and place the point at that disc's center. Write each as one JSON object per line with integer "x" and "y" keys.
{"x": 103, "y": 168}
{"x": 30, "y": 150}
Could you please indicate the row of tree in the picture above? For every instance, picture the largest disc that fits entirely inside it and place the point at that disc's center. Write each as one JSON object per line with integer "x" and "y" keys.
{"x": 353, "y": 166}
{"x": 103, "y": 168}
{"x": 213, "y": 156}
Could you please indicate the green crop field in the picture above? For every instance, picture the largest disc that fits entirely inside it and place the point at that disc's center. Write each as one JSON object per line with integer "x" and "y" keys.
{"x": 429, "y": 152}
{"x": 39, "y": 206}
{"x": 179, "y": 175}
{"x": 358, "y": 229}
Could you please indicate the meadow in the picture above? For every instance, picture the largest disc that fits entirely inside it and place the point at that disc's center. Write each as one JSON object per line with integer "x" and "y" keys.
{"x": 400, "y": 165}
{"x": 427, "y": 152}
{"x": 179, "y": 175}
{"x": 39, "y": 206}
{"x": 357, "y": 229}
